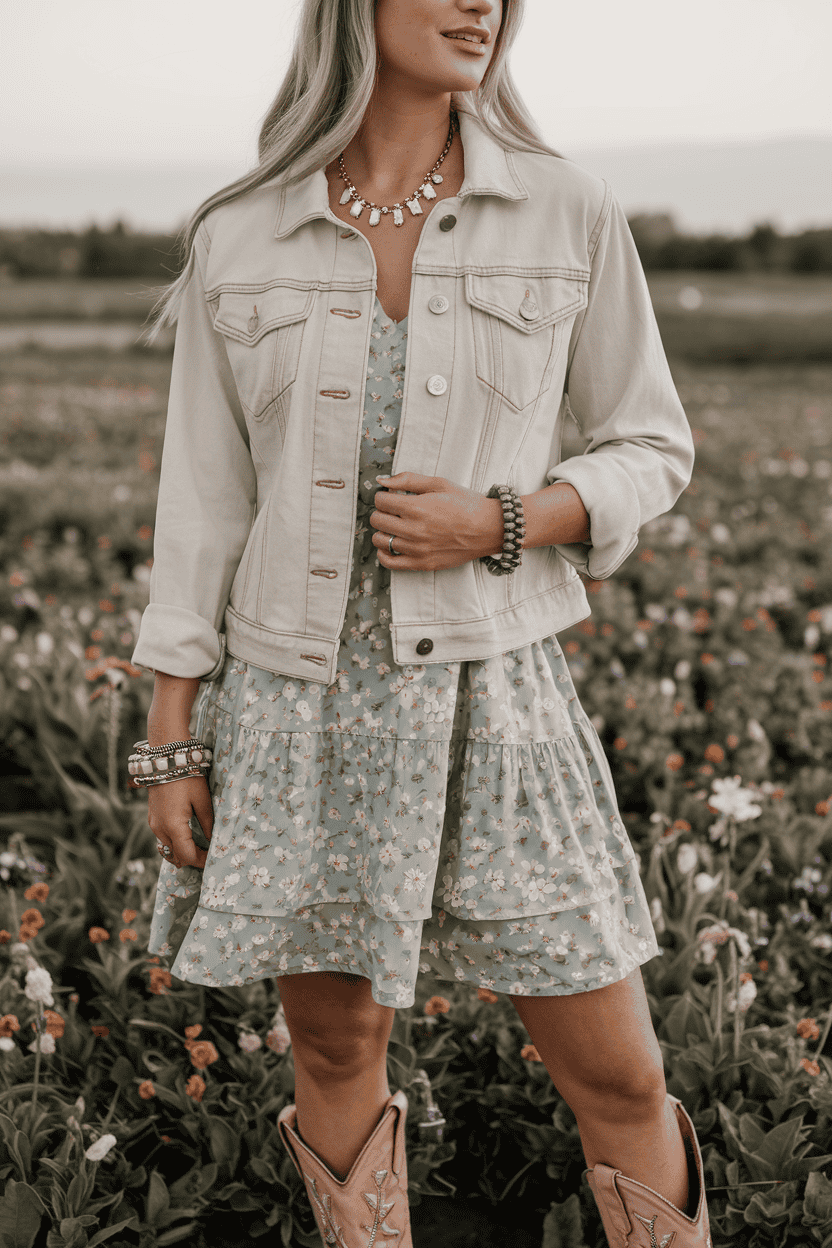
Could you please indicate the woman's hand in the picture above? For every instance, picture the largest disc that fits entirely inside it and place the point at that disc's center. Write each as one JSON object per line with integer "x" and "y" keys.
{"x": 436, "y": 524}
{"x": 169, "y": 810}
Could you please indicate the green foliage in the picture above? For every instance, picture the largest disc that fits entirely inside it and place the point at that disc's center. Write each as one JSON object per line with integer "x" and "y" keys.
{"x": 728, "y": 600}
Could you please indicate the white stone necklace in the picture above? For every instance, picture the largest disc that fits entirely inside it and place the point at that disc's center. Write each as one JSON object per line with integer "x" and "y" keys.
{"x": 425, "y": 189}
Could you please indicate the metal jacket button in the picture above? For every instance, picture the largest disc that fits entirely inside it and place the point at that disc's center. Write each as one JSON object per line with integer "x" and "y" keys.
{"x": 438, "y": 304}
{"x": 424, "y": 646}
{"x": 529, "y": 309}
{"x": 447, "y": 223}
{"x": 437, "y": 384}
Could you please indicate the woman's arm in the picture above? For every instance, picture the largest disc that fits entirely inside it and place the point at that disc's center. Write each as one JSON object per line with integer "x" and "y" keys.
{"x": 170, "y": 807}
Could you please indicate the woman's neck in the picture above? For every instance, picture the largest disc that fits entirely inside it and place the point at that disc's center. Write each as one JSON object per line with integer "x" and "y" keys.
{"x": 394, "y": 147}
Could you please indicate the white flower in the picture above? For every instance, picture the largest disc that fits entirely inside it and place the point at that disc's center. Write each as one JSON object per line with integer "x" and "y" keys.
{"x": 100, "y": 1148}
{"x": 6, "y": 1044}
{"x": 86, "y": 615}
{"x": 7, "y": 859}
{"x": 656, "y": 914}
{"x": 45, "y": 643}
{"x": 8, "y": 633}
{"x": 135, "y": 866}
{"x": 39, "y": 986}
{"x": 686, "y": 859}
{"x": 755, "y": 730}
{"x": 748, "y": 992}
{"x": 720, "y": 533}
{"x": 704, "y": 883}
{"x": 249, "y": 1042}
{"x": 667, "y": 687}
{"x": 822, "y": 941}
{"x": 727, "y": 597}
{"x": 734, "y": 800}
{"x": 682, "y": 669}
{"x": 47, "y": 1043}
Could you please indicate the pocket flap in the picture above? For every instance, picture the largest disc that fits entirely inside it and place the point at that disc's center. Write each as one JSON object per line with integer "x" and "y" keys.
{"x": 248, "y": 315}
{"x": 527, "y": 303}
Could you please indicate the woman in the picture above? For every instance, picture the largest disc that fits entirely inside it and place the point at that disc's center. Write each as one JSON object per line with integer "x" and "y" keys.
{"x": 403, "y": 779}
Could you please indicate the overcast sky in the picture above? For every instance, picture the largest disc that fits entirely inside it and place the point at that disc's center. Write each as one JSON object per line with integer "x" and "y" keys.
{"x": 188, "y": 81}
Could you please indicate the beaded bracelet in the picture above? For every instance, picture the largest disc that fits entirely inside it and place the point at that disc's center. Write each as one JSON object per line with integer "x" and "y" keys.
{"x": 188, "y": 758}
{"x": 514, "y": 530}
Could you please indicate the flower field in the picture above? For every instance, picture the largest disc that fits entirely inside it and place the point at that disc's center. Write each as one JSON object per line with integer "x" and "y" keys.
{"x": 140, "y": 1111}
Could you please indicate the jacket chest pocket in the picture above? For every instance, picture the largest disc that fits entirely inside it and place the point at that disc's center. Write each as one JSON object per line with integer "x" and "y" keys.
{"x": 519, "y": 324}
{"x": 263, "y": 332}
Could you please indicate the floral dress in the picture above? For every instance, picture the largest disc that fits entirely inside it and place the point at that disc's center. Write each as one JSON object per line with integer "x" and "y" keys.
{"x": 452, "y": 820}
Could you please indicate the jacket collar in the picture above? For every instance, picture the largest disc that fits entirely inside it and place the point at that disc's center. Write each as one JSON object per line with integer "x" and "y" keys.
{"x": 489, "y": 170}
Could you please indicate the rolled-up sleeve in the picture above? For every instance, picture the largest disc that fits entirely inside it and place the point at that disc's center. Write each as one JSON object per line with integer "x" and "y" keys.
{"x": 207, "y": 496}
{"x": 640, "y": 453}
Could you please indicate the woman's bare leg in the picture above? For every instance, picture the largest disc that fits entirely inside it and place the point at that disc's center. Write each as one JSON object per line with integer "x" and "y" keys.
{"x": 339, "y": 1043}
{"x": 605, "y": 1061}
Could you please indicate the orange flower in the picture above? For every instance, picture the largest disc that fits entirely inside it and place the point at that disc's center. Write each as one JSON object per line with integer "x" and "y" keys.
{"x": 813, "y": 616}
{"x": 706, "y": 658}
{"x": 631, "y": 703}
{"x": 127, "y": 933}
{"x": 193, "y": 1031}
{"x": 203, "y": 1053}
{"x": 104, "y": 604}
{"x": 27, "y": 932}
{"x": 586, "y": 626}
{"x": 811, "y": 1068}
{"x": 807, "y": 1029}
{"x": 827, "y": 705}
{"x": 195, "y": 1088}
{"x": 673, "y": 762}
{"x": 620, "y": 743}
{"x": 572, "y": 647}
{"x": 146, "y": 1089}
{"x": 817, "y": 677}
{"x": 822, "y": 808}
{"x": 129, "y": 915}
{"x": 144, "y": 533}
{"x": 678, "y": 707}
{"x": 160, "y": 980}
{"x": 706, "y": 770}
{"x": 681, "y": 591}
{"x": 647, "y": 556}
{"x": 97, "y": 634}
{"x": 763, "y": 965}
{"x": 646, "y": 626}
{"x": 681, "y": 825}
{"x": 99, "y": 1030}
{"x": 709, "y": 705}
{"x": 55, "y": 1024}
{"x": 32, "y": 918}
{"x": 714, "y": 753}
{"x": 608, "y": 629}
{"x": 749, "y": 624}
{"x": 485, "y": 994}
{"x": 530, "y": 1054}
{"x": 732, "y": 741}
{"x": 37, "y": 892}
{"x": 92, "y": 652}
{"x": 155, "y": 960}
{"x": 8, "y": 1025}
{"x": 777, "y": 794}
{"x": 93, "y": 673}
{"x": 97, "y": 934}
{"x": 5, "y": 936}
{"x": 437, "y": 1005}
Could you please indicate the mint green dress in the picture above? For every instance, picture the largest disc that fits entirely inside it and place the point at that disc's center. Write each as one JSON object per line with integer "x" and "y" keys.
{"x": 456, "y": 821}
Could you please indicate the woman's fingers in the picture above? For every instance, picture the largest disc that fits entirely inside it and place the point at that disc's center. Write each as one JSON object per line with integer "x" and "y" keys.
{"x": 170, "y": 809}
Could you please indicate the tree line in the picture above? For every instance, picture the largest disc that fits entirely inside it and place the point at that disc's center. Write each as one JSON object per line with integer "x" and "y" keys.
{"x": 121, "y": 252}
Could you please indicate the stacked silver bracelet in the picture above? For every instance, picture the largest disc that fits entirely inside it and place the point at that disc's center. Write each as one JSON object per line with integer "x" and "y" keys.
{"x": 514, "y": 530}
{"x": 162, "y": 764}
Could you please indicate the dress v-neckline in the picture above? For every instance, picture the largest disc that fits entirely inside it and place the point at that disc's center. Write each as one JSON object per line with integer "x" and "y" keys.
{"x": 398, "y": 324}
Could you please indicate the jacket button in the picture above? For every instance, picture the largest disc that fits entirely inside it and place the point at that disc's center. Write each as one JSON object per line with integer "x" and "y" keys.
{"x": 437, "y": 384}
{"x": 438, "y": 304}
{"x": 529, "y": 309}
{"x": 447, "y": 223}
{"x": 424, "y": 646}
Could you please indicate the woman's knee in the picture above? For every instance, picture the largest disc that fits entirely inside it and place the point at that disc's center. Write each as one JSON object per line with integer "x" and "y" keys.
{"x": 333, "y": 1017}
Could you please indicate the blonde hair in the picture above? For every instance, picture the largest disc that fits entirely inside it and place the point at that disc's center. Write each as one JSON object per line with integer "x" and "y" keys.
{"x": 322, "y": 101}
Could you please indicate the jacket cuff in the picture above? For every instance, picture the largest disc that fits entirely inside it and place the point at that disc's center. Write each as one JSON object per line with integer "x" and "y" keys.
{"x": 178, "y": 642}
{"x": 611, "y": 501}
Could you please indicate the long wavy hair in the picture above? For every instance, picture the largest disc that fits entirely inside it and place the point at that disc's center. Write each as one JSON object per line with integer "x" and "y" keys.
{"x": 322, "y": 101}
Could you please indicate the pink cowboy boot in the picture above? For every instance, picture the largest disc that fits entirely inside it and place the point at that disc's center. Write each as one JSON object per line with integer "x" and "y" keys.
{"x": 369, "y": 1206}
{"x": 634, "y": 1216}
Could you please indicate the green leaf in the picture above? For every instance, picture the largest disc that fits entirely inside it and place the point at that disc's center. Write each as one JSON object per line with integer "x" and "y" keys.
{"x": 176, "y": 1235}
{"x": 21, "y": 1211}
{"x": 122, "y": 1072}
{"x": 562, "y": 1225}
{"x": 225, "y": 1143}
{"x": 158, "y": 1199}
{"x": 109, "y": 1231}
{"x": 817, "y": 1201}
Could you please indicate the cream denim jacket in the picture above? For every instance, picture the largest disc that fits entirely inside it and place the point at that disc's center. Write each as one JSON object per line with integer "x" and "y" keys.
{"x": 527, "y": 301}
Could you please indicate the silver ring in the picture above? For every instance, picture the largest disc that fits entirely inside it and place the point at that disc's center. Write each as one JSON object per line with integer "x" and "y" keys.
{"x": 390, "y": 544}
{"x": 165, "y": 849}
